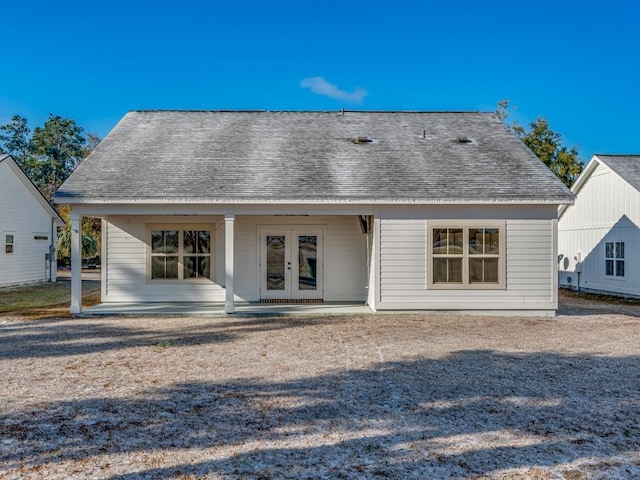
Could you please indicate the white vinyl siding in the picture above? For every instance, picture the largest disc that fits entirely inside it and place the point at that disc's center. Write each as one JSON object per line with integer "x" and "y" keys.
{"x": 606, "y": 210}
{"x": 344, "y": 245}
{"x": 125, "y": 266}
{"x": 529, "y": 262}
{"x": 23, "y": 217}
{"x": 125, "y": 275}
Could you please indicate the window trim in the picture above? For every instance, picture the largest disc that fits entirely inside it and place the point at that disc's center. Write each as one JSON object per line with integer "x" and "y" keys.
{"x": 7, "y": 244}
{"x": 615, "y": 259}
{"x": 181, "y": 227}
{"x": 466, "y": 225}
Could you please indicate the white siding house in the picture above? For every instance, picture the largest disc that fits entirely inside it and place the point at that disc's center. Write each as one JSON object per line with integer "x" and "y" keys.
{"x": 396, "y": 210}
{"x": 28, "y": 227}
{"x": 599, "y": 235}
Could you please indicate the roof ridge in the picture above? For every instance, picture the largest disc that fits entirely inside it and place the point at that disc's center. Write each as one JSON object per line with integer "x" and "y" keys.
{"x": 170, "y": 110}
{"x": 617, "y": 154}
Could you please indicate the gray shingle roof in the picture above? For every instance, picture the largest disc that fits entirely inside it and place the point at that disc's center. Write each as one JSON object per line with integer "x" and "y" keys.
{"x": 240, "y": 156}
{"x": 627, "y": 166}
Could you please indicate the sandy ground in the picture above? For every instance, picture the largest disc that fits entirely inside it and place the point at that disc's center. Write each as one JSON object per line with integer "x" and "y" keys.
{"x": 389, "y": 396}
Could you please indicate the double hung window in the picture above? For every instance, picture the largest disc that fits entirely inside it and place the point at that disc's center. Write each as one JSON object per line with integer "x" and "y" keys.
{"x": 466, "y": 255}
{"x": 9, "y": 242}
{"x": 181, "y": 253}
{"x": 614, "y": 259}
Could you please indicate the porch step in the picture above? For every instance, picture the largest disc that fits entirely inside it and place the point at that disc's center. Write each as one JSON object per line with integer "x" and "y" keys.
{"x": 291, "y": 300}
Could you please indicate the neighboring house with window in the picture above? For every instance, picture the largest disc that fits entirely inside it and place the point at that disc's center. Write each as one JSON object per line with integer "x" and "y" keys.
{"x": 599, "y": 235}
{"x": 28, "y": 226}
{"x": 398, "y": 210}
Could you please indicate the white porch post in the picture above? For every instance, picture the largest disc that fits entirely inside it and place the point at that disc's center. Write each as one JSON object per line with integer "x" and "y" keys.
{"x": 76, "y": 263}
{"x": 228, "y": 262}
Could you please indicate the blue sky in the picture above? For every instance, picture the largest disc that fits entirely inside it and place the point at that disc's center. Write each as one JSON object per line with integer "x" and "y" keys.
{"x": 575, "y": 63}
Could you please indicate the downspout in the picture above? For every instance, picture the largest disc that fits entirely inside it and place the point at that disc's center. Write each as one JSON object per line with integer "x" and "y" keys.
{"x": 578, "y": 267}
{"x": 52, "y": 249}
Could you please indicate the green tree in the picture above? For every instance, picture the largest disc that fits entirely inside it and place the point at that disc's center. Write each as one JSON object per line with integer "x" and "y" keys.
{"x": 58, "y": 147}
{"x": 91, "y": 235}
{"x": 89, "y": 244}
{"x": 48, "y": 156}
{"x": 547, "y": 145}
{"x": 16, "y": 141}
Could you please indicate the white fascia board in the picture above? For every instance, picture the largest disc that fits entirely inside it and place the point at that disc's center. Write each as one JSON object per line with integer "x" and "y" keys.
{"x": 209, "y": 201}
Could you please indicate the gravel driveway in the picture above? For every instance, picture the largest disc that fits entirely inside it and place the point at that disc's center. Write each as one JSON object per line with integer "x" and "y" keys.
{"x": 388, "y": 396}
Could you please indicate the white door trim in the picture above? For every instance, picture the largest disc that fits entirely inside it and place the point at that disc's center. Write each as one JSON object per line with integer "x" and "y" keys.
{"x": 292, "y": 259}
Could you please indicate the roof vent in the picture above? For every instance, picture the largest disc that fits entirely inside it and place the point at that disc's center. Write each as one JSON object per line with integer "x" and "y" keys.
{"x": 463, "y": 139}
{"x": 361, "y": 140}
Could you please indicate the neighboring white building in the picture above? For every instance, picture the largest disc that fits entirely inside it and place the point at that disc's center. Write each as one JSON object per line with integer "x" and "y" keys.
{"x": 398, "y": 210}
{"x": 599, "y": 235}
{"x": 28, "y": 225}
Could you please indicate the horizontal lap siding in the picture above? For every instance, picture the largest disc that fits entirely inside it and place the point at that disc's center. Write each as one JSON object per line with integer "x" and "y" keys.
{"x": 529, "y": 268}
{"x": 344, "y": 248}
{"x": 402, "y": 259}
{"x": 530, "y": 259}
{"x": 125, "y": 267}
{"x": 23, "y": 217}
{"x": 345, "y": 260}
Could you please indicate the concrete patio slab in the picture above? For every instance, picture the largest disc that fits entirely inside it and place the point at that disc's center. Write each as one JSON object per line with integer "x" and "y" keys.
{"x": 217, "y": 309}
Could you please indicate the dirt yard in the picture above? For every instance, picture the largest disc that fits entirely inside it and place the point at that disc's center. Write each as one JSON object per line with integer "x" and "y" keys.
{"x": 384, "y": 396}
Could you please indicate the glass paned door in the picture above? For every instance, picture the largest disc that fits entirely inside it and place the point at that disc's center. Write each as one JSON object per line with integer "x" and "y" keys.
{"x": 276, "y": 268}
{"x": 307, "y": 262}
{"x": 291, "y": 264}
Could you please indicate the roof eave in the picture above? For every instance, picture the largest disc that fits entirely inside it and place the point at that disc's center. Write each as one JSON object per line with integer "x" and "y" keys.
{"x": 61, "y": 199}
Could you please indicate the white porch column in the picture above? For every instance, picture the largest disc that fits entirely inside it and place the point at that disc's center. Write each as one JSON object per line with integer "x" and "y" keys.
{"x": 228, "y": 262}
{"x": 76, "y": 263}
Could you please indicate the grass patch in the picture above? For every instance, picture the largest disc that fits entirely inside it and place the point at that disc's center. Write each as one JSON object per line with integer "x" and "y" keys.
{"x": 46, "y": 299}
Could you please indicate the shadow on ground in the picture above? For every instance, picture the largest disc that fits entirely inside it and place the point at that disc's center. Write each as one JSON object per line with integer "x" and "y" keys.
{"x": 470, "y": 414}
{"x": 571, "y": 302}
{"x": 69, "y": 337}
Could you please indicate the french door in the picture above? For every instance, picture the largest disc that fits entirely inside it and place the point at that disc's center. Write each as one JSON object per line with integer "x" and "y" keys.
{"x": 291, "y": 264}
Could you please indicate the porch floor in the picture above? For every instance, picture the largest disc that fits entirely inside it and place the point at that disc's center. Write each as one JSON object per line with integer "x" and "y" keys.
{"x": 217, "y": 309}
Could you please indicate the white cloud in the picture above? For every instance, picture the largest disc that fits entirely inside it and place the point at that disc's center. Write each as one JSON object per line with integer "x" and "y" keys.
{"x": 320, "y": 86}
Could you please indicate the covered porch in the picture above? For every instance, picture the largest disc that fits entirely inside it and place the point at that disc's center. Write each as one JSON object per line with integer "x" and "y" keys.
{"x": 301, "y": 258}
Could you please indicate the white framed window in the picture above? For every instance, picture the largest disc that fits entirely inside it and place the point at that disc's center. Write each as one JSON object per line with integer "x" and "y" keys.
{"x": 9, "y": 243}
{"x": 466, "y": 255}
{"x": 180, "y": 252}
{"x": 614, "y": 259}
